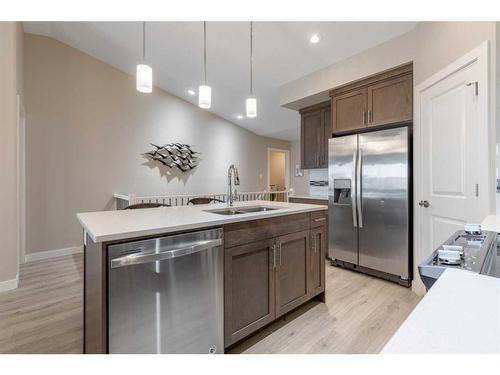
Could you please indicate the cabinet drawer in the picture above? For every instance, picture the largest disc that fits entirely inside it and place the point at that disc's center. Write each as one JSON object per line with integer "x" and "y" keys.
{"x": 318, "y": 218}
{"x": 321, "y": 202}
{"x": 256, "y": 230}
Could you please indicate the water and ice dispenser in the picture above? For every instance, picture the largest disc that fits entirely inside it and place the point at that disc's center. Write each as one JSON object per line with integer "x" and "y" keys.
{"x": 342, "y": 191}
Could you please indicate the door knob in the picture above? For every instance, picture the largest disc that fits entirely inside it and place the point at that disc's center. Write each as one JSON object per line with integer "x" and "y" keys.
{"x": 424, "y": 204}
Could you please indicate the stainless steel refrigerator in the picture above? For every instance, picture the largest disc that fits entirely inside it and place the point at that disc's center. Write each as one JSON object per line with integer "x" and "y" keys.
{"x": 369, "y": 194}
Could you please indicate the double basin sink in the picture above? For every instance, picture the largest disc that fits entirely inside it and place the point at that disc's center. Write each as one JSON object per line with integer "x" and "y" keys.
{"x": 241, "y": 210}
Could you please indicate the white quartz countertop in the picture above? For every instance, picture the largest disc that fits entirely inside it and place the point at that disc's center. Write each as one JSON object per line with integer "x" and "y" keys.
{"x": 310, "y": 196}
{"x": 491, "y": 223}
{"x": 105, "y": 226}
{"x": 459, "y": 314}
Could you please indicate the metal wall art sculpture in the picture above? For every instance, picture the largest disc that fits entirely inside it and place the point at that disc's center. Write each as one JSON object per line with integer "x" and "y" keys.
{"x": 174, "y": 155}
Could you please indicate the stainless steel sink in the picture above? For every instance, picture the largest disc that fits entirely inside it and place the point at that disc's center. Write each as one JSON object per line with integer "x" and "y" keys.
{"x": 258, "y": 209}
{"x": 226, "y": 211}
{"x": 241, "y": 210}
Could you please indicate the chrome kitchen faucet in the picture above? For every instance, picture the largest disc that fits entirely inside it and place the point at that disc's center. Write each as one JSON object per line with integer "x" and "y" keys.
{"x": 230, "y": 194}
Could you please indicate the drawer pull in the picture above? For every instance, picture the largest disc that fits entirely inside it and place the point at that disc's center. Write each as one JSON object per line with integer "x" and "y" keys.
{"x": 320, "y": 219}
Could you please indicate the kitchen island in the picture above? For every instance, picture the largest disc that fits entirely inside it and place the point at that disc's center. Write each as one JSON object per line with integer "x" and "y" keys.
{"x": 273, "y": 262}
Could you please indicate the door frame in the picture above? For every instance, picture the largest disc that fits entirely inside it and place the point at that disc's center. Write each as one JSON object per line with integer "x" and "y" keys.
{"x": 21, "y": 179}
{"x": 287, "y": 167}
{"x": 480, "y": 54}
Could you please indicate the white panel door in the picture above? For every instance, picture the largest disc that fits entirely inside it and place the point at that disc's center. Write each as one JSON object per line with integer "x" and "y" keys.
{"x": 452, "y": 147}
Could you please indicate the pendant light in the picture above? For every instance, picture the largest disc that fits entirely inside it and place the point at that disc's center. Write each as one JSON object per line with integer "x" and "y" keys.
{"x": 144, "y": 73}
{"x": 205, "y": 91}
{"x": 251, "y": 102}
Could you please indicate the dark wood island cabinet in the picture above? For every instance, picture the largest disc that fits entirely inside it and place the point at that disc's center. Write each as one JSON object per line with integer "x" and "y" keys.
{"x": 271, "y": 266}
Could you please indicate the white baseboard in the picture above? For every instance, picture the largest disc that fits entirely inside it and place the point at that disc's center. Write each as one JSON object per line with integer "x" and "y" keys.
{"x": 9, "y": 284}
{"x": 52, "y": 253}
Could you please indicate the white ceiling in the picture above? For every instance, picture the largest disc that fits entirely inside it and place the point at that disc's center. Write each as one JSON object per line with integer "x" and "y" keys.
{"x": 282, "y": 53}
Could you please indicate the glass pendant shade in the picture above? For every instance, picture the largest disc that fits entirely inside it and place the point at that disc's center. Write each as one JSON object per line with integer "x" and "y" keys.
{"x": 205, "y": 97}
{"x": 144, "y": 77}
{"x": 251, "y": 107}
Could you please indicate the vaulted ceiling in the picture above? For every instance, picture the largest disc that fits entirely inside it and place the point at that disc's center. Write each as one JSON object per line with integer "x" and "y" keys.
{"x": 282, "y": 53}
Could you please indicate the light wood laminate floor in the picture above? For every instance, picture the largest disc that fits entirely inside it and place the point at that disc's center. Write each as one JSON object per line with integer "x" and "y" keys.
{"x": 360, "y": 315}
{"x": 44, "y": 315}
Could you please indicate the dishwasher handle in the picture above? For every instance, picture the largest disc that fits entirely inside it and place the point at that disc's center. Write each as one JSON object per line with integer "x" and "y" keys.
{"x": 140, "y": 258}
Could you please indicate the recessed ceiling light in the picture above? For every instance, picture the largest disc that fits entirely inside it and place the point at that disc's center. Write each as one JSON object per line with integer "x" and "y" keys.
{"x": 191, "y": 92}
{"x": 239, "y": 117}
{"x": 315, "y": 38}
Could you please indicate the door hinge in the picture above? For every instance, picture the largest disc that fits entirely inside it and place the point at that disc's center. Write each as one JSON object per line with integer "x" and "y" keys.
{"x": 476, "y": 86}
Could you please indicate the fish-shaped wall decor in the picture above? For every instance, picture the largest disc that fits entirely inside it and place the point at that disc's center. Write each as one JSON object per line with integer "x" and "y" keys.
{"x": 174, "y": 155}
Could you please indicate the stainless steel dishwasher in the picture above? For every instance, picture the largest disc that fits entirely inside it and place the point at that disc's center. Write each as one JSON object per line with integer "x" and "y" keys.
{"x": 166, "y": 294}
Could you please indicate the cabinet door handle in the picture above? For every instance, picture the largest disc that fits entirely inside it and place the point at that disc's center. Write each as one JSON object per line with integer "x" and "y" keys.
{"x": 274, "y": 255}
{"x": 364, "y": 117}
{"x": 320, "y": 219}
{"x": 279, "y": 246}
{"x": 314, "y": 245}
{"x": 370, "y": 119}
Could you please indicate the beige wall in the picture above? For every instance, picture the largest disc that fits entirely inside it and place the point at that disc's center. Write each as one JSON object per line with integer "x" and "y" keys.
{"x": 300, "y": 185}
{"x": 440, "y": 43}
{"x": 277, "y": 170}
{"x": 20, "y": 58}
{"x": 87, "y": 127}
{"x": 9, "y": 211}
{"x": 431, "y": 46}
{"x": 313, "y": 88}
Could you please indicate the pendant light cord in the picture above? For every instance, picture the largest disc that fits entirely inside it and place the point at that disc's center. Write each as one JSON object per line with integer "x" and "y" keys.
{"x": 251, "y": 58}
{"x": 144, "y": 41}
{"x": 205, "y": 50}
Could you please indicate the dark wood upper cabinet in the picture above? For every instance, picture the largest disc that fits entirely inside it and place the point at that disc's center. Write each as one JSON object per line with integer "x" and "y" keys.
{"x": 349, "y": 110}
{"x": 327, "y": 134}
{"x": 248, "y": 289}
{"x": 390, "y": 101}
{"x": 292, "y": 271}
{"x": 311, "y": 128}
{"x": 382, "y": 99}
{"x": 315, "y": 131}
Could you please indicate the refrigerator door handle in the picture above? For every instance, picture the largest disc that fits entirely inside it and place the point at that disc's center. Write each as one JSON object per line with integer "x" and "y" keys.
{"x": 358, "y": 188}
{"x": 353, "y": 192}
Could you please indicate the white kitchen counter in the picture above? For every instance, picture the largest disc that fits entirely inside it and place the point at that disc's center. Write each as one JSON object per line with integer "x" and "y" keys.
{"x": 459, "y": 314}
{"x": 105, "y": 226}
{"x": 492, "y": 223}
